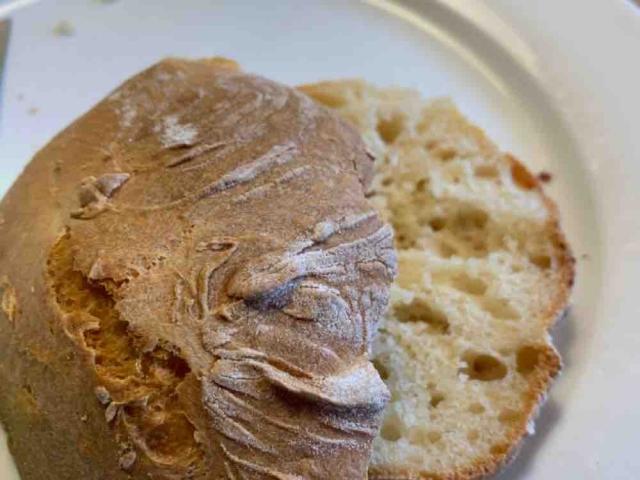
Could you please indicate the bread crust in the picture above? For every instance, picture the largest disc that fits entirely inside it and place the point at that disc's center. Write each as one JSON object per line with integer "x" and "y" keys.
{"x": 335, "y": 94}
{"x": 192, "y": 279}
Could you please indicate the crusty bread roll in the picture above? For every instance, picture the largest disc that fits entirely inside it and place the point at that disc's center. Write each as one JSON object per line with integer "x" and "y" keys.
{"x": 484, "y": 270}
{"x": 191, "y": 281}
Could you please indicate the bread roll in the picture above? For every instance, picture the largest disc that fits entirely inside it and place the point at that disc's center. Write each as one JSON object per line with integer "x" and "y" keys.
{"x": 191, "y": 281}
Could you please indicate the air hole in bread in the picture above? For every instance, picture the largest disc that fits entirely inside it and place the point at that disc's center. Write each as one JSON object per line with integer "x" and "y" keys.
{"x": 483, "y": 367}
{"x": 466, "y": 242}
{"x": 486, "y": 171}
{"x": 421, "y": 185}
{"x": 392, "y": 428}
{"x": 390, "y": 128}
{"x": 446, "y": 250}
{"x": 405, "y": 242}
{"x": 541, "y": 261}
{"x": 509, "y": 416}
{"x": 499, "y": 449}
{"x": 468, "y": 284}
{"x": 382, "y": 369}
{"x": 420, "y": 311}
{"x": 441, "y": 150}
{"x": 437, "y": 223}
{"x": 473, "y": 435}
{"x": 446, "y": 154}
{"x": 478, "y": 248}
{"x": 517, "y": 268}
{"x": 436, "y": 399}
{"x": 471, "y": 218}
{"x": 145, "y": 382}
{"x": 423, "y": 436}
{"x": 386, "y": 181}
{"x": 477, "y": 408}
{"x": 528, "y": 358}
{"x": 500, "y": 309}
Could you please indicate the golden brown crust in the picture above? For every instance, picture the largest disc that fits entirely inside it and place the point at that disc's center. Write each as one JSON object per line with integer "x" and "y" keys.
{"x": 193, "y": 277}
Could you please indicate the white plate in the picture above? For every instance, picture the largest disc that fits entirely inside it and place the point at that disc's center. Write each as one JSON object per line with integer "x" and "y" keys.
{"x": 557, "y": 83}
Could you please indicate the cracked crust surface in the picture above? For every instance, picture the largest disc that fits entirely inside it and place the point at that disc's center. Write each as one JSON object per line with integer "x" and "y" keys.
{"x": 192, "y": 279}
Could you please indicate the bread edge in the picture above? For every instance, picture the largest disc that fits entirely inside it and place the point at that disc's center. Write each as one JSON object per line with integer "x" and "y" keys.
{"x": 541, "y": 379}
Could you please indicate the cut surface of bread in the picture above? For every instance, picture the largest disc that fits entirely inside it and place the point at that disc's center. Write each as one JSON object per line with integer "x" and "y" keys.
{"x": 484, "y": 271}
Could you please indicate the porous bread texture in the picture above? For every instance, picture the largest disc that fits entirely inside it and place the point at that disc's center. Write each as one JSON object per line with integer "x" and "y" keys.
{"x": 484, "y": 271}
